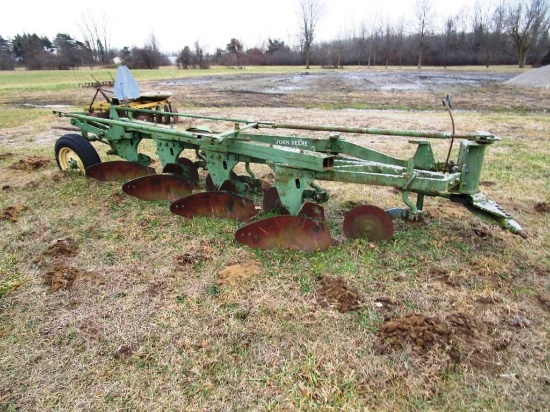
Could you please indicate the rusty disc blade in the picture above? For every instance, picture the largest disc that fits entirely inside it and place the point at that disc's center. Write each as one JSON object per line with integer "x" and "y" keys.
{"x": 158, "y": 187}
{"x": 118, "y": 170}
{"x": 215, "y": 204}
{"x": 368, "y": 222}
{"x": 286, "y": 232}
{"x": 312, "y": 210}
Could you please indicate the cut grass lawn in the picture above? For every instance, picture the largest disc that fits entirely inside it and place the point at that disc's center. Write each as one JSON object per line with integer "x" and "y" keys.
{"x": 110, "y": 303}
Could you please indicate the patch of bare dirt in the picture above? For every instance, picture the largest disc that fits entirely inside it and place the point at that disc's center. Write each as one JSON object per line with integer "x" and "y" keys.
{"x": 542, "y": 207}
{"x": 461, "y": 337}
{"x": 238, "y": 273}
{"x": 445, "y": 210}
{"x": 199, "y": 251}
{"x": 31, "y": 163}
{"x": 5, "y": 155}
{"x": 65, "y": 247}
{"x": 420, "y": 332}
{"x": 11, "y": 213}
{"x": 59, "y": 276}
{"x": 544, "y": 301}
{"x": 333, "y": 292}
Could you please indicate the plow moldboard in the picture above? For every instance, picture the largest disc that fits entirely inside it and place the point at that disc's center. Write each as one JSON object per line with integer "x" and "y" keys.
{"x": 158, "y": 187}
{"x": 286, "y": 232}
{"x": 118, "y": 170}
{"x": 215, "y": 204}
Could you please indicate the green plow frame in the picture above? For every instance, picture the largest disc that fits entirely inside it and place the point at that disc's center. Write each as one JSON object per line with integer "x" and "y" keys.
{"x": 299, "y": 163}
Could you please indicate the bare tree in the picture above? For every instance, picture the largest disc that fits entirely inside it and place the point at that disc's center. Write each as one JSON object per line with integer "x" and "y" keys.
{"x": 310, "y": 12}
{"x": 526, "y": 21}
{"x": 96, "y": 34}
{"x": 422, "y": 12}
{"x": 399, "y": 38}
{"x": 495, "y": 32}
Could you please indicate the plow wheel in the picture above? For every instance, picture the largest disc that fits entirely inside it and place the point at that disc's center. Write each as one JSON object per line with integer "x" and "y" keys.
{"x": 215, "y": 204}
{"x": 158, "y": 187}
{"x": 286, "y": 232}
{"x": 368, "y": 222}
{"x": 118, "y": 170}
{"x": 74, "y": 152}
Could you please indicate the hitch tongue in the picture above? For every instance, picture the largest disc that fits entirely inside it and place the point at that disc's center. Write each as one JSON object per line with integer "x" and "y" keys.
{"x": 480, "y": 205}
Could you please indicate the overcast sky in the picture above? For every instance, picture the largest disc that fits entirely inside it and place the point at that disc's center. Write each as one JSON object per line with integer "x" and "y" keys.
{"x": 213, "y": 23}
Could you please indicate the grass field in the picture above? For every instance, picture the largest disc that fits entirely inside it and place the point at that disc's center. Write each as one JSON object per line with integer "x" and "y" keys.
{"x": 111, "y": 303}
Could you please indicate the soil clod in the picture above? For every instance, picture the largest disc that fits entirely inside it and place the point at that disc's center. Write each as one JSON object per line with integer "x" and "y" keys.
{"x": 334, "y": 292}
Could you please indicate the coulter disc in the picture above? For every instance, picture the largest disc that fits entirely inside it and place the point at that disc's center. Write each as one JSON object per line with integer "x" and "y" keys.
{"x": 158, "y": 187}
{"x": 286, "y": 232}
{"x": 118, "y": 170}
{"x": 215, "y": 204}
{"x": 368, "y": 222}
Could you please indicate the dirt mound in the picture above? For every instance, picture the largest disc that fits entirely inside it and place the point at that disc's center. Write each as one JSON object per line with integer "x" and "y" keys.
{"x": 31, "y": 163}
{"x": 65, "y": 247}
{"x": 234, "y": 274}
{"x": 414, "y": 329}
{"x": 542, "y": 207}
{"x": 533, "y": 78}
{"x": 60, "y": 276}
{"x": 334, "y": 292}
{"x": 461, "y": 337}
{"x": 11, "y": 212}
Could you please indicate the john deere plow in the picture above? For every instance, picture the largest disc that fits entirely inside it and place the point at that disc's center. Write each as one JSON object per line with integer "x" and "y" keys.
{"x": 289, "y": 212}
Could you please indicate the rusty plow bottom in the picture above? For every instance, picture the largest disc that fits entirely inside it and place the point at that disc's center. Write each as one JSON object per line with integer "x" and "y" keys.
{"x": 286, "y": 232}
{"x": 159, "y": 187}
{"x": 118, "y": 170}
{"x": 215, "y": 204}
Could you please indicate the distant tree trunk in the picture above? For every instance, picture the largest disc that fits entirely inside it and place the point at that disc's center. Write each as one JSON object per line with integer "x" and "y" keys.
{"x": 422, "y": 12}
{"x": 96, "y": 36}
{"x": 310, "y": 13}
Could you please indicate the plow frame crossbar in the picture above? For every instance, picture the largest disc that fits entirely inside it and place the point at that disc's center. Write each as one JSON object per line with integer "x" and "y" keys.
{"x": 299, "y": 161}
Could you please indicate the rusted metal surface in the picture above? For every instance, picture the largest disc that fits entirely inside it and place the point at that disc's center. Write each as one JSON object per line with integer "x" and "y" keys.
{"x": 158, "y": 187}
{"x": 312, "y": 210}
{"x": 215, "y": 204}
{"x": 368, "y": 222}
{"x": 118, "y": 170}
{"x": 286, "y": 232}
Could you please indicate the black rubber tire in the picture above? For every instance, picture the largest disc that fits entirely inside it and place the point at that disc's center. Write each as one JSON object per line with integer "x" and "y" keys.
{"x": 80, "y": 146}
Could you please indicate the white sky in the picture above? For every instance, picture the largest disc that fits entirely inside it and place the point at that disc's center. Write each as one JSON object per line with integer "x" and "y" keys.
{"x": 176, "y": 24}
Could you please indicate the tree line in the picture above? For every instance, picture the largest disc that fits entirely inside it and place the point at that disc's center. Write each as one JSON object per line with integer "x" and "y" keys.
{"x": 512, "y": 32}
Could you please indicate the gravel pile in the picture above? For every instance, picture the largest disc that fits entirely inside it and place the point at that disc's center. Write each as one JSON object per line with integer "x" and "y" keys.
{"x": 533, "y": 78}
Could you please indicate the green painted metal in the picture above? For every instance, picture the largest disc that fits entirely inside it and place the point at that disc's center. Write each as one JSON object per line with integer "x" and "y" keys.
{"x": 298, "y": 162}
